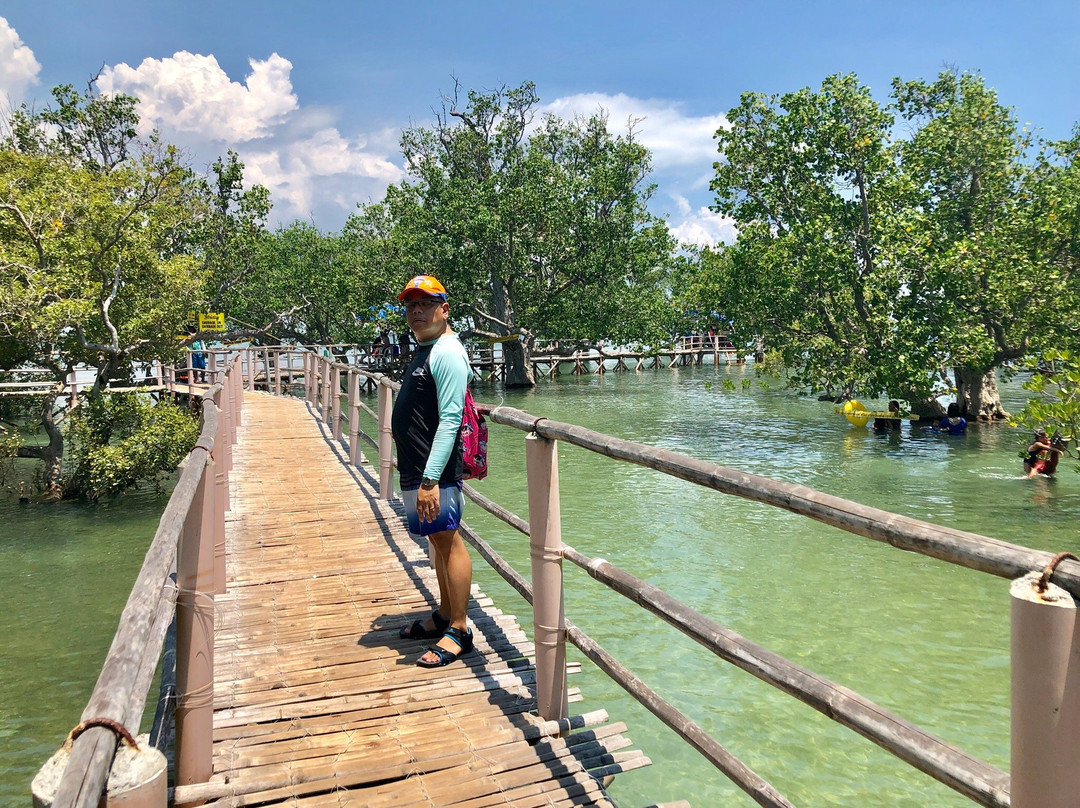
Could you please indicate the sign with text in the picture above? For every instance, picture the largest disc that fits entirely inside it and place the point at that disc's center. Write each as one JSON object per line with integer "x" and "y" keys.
{"x": 213, "y": 321}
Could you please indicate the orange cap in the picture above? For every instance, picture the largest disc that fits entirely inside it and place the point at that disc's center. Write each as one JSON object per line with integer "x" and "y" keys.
{"x": 425, "y": 284}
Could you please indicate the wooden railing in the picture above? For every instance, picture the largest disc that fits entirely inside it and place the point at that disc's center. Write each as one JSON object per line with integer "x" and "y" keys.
{"x": 1046, "y": 634}
{"x": 181, "y": 572}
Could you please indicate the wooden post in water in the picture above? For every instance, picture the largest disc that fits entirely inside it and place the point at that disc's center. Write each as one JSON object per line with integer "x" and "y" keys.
{"x": 335, "y": 401}
{"x": 354, "y": 417}
{"x": 1045, "y": 738}
{"x": 545, "y": 549}
{"x": 195, "y": 637}
{"x": 386, "y": 441}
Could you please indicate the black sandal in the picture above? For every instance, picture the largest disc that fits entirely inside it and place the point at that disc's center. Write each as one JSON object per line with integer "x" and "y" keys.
{"x": 417, "y": 631}
{"x": 464, "y": 640}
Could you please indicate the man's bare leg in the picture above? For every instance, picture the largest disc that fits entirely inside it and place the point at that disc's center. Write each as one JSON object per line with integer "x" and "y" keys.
{"x": 455, "y": 582}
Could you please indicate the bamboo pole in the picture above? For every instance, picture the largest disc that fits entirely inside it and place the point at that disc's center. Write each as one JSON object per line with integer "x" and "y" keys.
{"x": 1045, "y": 739}
{"x": 335, "y": 401}
{"x": 386, "y": 468}
{"x": 545, "y": 550}
{"x": 955, "y": 546}
{"x": 975, "y": 779}
{"x": 354, "y": 418}
{"x": 195, "y": 637}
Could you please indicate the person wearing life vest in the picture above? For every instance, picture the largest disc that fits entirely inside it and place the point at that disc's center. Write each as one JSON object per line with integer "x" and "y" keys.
{"x": 426, "y": 426}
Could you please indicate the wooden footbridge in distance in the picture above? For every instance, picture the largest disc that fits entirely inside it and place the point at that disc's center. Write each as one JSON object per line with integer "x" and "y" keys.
{"x": 286, "y": 562}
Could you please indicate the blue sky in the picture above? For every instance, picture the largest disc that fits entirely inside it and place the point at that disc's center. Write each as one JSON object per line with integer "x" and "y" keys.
{"x": 313, "y": 96}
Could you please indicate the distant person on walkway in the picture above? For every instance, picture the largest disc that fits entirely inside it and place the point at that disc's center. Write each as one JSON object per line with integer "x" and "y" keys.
{"x": 198, "y": 359}
{"x": 1043, "y": 454}
{"x": 427, "y": 432}
{"x": 889, "y": 424}
{"x": 953, "y": 423}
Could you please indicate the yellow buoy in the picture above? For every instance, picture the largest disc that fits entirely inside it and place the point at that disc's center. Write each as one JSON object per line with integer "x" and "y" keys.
{"x": 856, "y": 413}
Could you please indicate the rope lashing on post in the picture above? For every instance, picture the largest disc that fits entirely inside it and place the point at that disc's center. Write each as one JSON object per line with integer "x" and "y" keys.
{"x": 537, "y": 421}
{"x": 107, "y": 723}
{"x": 1044, "y": 579}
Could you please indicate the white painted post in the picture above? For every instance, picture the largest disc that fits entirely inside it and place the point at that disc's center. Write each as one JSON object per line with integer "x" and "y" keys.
{"x": 354, "y": 417}
{"x": 324, "y": 380}
{"x": 1045, "y": 737}
{"x": 195, "y": 638}
{"x": 335, "y": 401}
{"x": 545, "y": 549}
{"x": 386, "y": 442}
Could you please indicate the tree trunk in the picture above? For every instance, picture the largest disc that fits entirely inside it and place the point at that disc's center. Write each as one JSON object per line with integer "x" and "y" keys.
{"x": 977, "y": 395}
{"x": 517, "y": 356}
{"x": 52, "y": 454}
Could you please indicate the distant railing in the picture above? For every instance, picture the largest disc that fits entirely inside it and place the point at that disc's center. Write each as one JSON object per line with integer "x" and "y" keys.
{"x": 1046, "y": 634}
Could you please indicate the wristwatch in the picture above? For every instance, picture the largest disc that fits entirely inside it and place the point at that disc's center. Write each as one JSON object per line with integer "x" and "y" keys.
{"x": 428, "y": 483}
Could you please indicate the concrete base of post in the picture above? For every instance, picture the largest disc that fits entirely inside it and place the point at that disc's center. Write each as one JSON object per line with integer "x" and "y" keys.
{"x": 1045, "y": 737}
{"x": 138, "y": 778}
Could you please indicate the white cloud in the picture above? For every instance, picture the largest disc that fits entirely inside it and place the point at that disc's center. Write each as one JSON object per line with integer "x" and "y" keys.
{"x": 191, "y": 93}
{"x": 674, "y": 138}
{"x": 311, "y": 168}
{"x": 18, "y": 67}
{"x": 702, "y": 226}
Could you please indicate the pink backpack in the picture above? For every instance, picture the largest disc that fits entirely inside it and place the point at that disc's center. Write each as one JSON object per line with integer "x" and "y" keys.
{"x": 474, "y": 440}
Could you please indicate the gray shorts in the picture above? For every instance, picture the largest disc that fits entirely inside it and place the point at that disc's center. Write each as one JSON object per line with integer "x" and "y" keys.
{"x": 451, "y": 506}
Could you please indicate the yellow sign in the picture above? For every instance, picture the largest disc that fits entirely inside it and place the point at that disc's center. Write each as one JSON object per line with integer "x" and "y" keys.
{"x": 212, "y": 321}
{"x": 511, "y": 338}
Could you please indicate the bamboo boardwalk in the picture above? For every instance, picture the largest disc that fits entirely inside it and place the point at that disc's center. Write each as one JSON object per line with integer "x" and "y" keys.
{"x": 317, "y": 701}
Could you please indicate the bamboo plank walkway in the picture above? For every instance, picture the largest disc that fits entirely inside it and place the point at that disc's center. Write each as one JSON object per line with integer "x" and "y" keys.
{"x": 318, "y": 702}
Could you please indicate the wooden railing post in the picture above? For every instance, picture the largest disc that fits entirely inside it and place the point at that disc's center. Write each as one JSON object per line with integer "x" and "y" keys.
{"x": 386, "y": 442}
{"x": 1045, "y": 735}
{"x": 277, "y": 372}
{"x": 545, "y": 550}
{"x": 354, "y": 417}
{"x": 221, "y": 495}
{"x": 335, "y": 401}
{"x": 324, "y": 381}
{"x": 195, "y": 637}
{"x": 307, "y": 378}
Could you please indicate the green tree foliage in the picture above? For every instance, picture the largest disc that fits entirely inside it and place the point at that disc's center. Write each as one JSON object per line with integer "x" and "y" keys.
{"x": 231, "y": 235}
{"x": 121, "y": 440}
{"x": 310, "y": 286}
{"x": 539, "y": 231}
{"x": 875, "y": 265}
{"x": 95, "y": 235}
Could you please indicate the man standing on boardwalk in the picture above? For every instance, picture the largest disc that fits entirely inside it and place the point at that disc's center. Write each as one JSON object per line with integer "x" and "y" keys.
{"x": 427, "y": 432}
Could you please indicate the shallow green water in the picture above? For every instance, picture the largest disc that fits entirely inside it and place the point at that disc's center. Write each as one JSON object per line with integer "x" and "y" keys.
{"x": 65, "y": 574}
{"x": 921, "y": 638}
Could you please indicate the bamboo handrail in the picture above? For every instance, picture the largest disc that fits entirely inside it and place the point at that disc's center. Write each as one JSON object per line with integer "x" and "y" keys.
{"x": 958, "y": 547}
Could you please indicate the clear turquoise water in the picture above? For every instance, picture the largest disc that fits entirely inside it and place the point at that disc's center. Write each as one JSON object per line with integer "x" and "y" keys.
{"x": 923, "y": 639}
